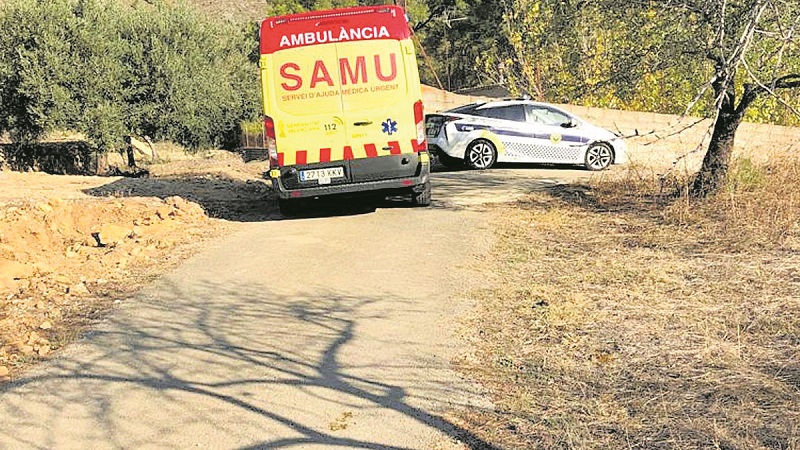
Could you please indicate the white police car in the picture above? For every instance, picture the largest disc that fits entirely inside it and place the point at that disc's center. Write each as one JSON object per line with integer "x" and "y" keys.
{"x": 520, "y": 131}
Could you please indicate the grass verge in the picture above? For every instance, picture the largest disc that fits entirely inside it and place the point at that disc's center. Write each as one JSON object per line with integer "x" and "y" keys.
{"x": 620, "y": 318}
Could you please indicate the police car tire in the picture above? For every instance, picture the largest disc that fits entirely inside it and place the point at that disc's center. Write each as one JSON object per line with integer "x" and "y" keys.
{"x": 422, "y": 198}
{"x": 598, "y": 150}
{"x": 480, "y": 145}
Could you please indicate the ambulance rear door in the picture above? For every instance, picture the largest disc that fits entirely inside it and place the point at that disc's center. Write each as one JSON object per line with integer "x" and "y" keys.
{"x": 303, "y": 100}
{"x": 343, "y": 92}
{"x": 378, "y": 107}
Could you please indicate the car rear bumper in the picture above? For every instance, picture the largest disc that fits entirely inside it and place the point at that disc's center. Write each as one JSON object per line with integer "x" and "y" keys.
{"x": 395, "y": 184}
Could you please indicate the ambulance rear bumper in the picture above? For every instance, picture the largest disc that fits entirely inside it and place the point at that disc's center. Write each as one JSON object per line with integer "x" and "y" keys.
{"x": 395, "y": 184}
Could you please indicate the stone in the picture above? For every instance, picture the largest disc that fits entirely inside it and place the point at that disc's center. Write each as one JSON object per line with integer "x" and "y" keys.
{"x": 62, "y": 279}
{"x": 46, "y": 325}
{"x": 79, "y": 289}
{"x": 165, "y": 243}
{"x": 4, "y": 371}
{"x": 33, "y": 338}
{"x": 138, "y": 232}
{"x": 43, "y": 268}
{"x": 176, "y": 201}
{"x": 164, "y": 211}
{"x": 111, "y": 235}
{"x": 45, "y": 207}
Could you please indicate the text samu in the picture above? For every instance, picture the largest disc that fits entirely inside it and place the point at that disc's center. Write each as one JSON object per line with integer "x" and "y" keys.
{"x": 356, "y": 72}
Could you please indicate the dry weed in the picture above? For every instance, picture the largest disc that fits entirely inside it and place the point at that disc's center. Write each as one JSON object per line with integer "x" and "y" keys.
{"x": 627, "y": 318}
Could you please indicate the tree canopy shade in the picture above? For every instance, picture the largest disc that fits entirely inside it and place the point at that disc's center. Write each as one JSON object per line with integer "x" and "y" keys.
{"x": 108, "y": 70}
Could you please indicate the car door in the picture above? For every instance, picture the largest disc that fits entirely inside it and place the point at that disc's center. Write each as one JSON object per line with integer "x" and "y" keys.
{"x": 557, "y": 139}
{"x": 509, "y": 124}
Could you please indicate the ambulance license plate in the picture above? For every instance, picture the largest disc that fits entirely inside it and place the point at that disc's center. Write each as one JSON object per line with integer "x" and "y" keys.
{"x": 322, "y": 176}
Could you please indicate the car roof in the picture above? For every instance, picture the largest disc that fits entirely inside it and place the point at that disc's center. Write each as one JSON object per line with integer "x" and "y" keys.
{"x": 466, "y": 109}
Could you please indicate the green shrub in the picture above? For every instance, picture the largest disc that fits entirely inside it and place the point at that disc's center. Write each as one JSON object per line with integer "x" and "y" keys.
{"x": 108, "y": 70}
{"x": 746, "y": 176}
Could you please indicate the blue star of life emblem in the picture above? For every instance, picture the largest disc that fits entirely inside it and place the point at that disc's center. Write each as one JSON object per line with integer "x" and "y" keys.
{"x": 389, "y": 127}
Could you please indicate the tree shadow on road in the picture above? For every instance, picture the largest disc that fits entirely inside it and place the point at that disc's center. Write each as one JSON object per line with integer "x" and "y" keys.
{"x": 264, "y": 358}
{"x": 251, "y": 200}
{"x": 235, "y": 200}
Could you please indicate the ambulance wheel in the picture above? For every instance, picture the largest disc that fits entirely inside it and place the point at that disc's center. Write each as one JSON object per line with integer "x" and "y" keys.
{"x": 480, "y": 154}
{"x": 422, "y": 198}
{"x": 289, "y": 207}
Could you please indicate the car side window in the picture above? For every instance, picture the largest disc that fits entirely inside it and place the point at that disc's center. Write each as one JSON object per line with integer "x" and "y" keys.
{"x": 545, "y": 115}
{"x": 511, "y": 112}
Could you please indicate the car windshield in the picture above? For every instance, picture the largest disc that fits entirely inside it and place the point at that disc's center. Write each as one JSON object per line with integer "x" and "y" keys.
{"x": 545, "y": 115}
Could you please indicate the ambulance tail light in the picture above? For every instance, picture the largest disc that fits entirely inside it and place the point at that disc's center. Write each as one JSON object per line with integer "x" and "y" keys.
{"x": 270, "y": 142}
{"x": 419, "y": 118}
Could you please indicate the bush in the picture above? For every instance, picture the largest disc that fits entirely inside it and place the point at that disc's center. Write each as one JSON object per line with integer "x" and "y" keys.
{"x": 108, "y": 70}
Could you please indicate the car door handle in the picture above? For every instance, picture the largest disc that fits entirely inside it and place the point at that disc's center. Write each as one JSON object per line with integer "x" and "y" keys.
{"x": 361, "y": 124}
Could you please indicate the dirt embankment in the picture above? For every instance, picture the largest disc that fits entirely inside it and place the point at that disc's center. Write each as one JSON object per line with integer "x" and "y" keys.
{"x": 60, "y": 258}
{"x": 71, "y": 246}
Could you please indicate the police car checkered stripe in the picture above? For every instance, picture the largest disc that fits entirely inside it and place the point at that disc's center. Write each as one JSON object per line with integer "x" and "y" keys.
{"x": 543, "y": 152}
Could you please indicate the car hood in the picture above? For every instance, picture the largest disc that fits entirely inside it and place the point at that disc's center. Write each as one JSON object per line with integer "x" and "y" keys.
{"x": 596, "y": 132}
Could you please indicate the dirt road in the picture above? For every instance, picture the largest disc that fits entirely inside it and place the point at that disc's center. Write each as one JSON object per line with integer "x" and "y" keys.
{"x": 327, "y": 332}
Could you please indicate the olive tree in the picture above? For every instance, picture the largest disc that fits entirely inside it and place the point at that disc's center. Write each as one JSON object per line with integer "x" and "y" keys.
{"x": 108, "y": 70}
{"x": 753, "y": 47}
{"x": 725, "y": 59}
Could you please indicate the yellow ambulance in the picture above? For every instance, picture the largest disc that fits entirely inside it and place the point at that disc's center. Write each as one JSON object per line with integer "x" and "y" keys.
{"x": 343, "y": 105}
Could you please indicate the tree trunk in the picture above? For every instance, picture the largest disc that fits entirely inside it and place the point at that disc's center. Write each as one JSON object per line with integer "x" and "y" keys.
{"x": 715, "y": 164}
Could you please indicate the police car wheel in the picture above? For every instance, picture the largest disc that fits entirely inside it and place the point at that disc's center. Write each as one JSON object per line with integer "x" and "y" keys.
{"x": 480, "y": 154}
{"x": 422, "y": 198}
{"x": 598, "y": 157}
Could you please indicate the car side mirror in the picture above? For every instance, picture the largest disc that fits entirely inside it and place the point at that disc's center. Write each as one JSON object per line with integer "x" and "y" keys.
{"x": 571, "y": 123}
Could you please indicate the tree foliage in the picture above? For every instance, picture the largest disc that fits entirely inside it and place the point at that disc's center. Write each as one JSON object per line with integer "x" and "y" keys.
{"x": 107, "y": 70}
{"x": 624, "y": 54}
{"x": 730, "y": 60}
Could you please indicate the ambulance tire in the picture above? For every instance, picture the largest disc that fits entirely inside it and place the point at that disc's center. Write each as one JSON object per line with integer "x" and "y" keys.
{"x": 289, "y": 207}
{"x": 422, "y": 198}
{"x": 481, "y": 154}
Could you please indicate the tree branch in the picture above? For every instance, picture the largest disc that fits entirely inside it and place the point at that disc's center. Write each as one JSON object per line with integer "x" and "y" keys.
{"x": 790, "y": 81}
{"x": 753, "y": 90}
{"x": 434, "y": 14}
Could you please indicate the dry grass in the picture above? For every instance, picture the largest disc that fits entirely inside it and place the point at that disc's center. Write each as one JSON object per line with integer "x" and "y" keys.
{"x": 624, "y": 319}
